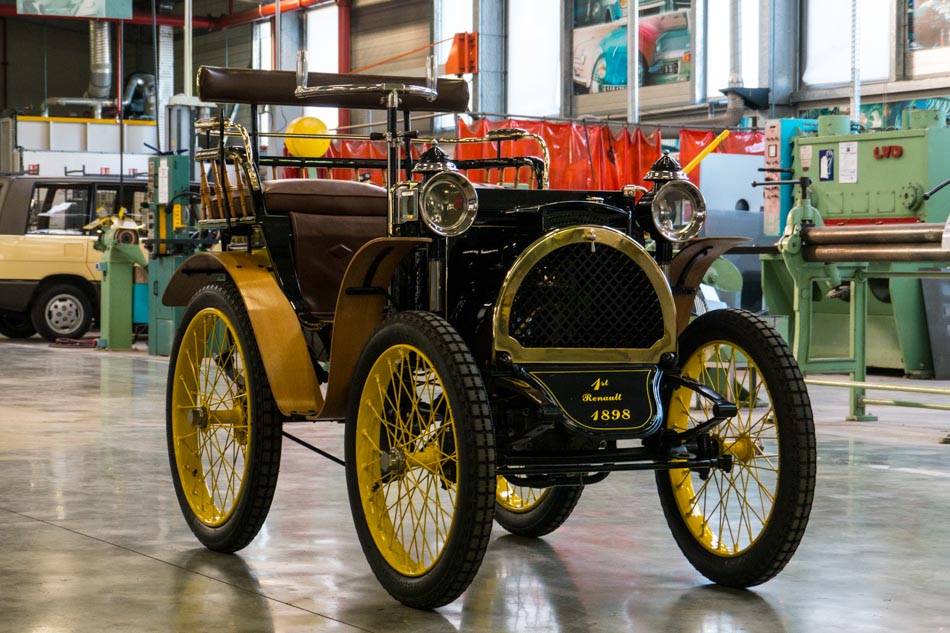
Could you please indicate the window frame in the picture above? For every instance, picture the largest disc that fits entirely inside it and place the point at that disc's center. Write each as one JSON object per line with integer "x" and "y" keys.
{"x": 49, "y": 200}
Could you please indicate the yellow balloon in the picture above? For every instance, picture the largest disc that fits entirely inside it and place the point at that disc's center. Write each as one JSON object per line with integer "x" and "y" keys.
{"x": 310, "y": 147}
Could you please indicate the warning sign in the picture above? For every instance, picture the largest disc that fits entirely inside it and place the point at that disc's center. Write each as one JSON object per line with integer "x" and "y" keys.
{"x": 826, "y": 164}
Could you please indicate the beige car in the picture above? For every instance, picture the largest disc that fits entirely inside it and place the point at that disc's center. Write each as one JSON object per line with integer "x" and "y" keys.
{"x": 48, "y": 278}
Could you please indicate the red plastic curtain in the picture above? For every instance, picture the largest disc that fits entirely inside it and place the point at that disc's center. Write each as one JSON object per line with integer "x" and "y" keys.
{"x": 692, "y": 143}
{"x": 582, "y": 156}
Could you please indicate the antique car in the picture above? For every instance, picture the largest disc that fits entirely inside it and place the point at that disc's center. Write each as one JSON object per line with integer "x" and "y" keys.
{"x": 490, "y": 351}
{"x": 598, "y": 11}
{"x": 48, "y": 277}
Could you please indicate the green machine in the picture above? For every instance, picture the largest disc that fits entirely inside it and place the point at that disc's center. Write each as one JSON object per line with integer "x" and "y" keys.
{"x": 121, "y": 251}
{"x": 871, "y": 186}
{"x": 169, "y": 196}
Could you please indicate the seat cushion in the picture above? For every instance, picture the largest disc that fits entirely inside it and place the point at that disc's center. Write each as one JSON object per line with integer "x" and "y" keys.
{"x": 324, "y": 197}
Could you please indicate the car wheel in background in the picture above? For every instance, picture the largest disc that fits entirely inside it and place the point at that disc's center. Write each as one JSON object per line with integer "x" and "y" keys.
{"x": 16, "y": 324}
{"x": 61, "y": 311}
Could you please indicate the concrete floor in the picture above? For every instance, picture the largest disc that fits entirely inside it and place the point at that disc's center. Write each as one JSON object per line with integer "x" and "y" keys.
{"x": 91, "y": 537}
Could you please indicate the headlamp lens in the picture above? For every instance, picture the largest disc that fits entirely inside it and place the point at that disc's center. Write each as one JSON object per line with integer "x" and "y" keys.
{"x": 679, "y": 210}
{"x": 449, "y": 203}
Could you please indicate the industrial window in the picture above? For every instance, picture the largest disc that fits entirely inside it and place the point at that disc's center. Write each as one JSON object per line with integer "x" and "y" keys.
{"x": 262, "y": 53}
{"x": 263, "y": 47}
{"x": 719, "y": 43}
{"x": 535, "y": 77}
{"x": 58, "y": 209}
{"x": 323, "y": 54}
{"x": 451, "y": 17}
{"x": 928, "y": 37}
{"x": 828, "y": 41}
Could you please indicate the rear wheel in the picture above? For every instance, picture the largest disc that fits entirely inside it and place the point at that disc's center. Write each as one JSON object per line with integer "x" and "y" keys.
{"x": 16, "y": 324}
{"x": 533, "y": 512}
{"x": 61, "y": 311}
{"x": 420, "y": 460}
{"x": 223, "y": 427}
{"x": 739, "y": 527}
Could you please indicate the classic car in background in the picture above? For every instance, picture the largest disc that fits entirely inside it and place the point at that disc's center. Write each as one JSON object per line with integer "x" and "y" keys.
{"x": 671, "y": 60}
{"x": 600, "y": 53}
{"x": 48, "y": 277}
{"x": 588, "y": 12}
{"x": 600, "y": 56}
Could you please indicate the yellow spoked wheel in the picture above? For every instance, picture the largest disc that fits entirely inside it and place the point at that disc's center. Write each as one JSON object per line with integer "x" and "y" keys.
{"x": 739, "y": 524}
{"x": 223, "y": 427}
{"x": 420, "y": 460}
{"x": 518, "y": 499}
{"x": 533, "y": 512}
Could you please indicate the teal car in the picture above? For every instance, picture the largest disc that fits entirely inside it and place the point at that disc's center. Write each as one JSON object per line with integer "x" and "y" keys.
{"x": 587, "y": 12}
{"x": 672, "y": 58}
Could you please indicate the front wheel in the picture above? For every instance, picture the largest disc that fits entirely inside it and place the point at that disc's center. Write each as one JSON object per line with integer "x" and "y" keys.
{"x": 533, "y": 512}
{"x": 223, "y": 426}
{"x": 740, "y": 526}
{"x": 420, "y": 460}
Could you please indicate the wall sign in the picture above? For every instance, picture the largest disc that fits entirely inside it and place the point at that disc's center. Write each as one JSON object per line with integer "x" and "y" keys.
{"x": 848, "y": 168}
{"x": 117, "y": 9}
{"x": 826, "y": 164}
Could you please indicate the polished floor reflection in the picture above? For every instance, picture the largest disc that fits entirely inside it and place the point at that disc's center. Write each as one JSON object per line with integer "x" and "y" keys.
{"x": 91, "y": 537}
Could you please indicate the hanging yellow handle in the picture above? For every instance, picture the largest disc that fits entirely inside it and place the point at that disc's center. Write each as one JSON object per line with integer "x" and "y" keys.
{"x": 706, "y": 150}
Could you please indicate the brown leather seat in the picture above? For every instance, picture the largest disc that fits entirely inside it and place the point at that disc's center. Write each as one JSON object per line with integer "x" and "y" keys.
{"x": 324, "y": 197}
{"x": 331, "y": 220}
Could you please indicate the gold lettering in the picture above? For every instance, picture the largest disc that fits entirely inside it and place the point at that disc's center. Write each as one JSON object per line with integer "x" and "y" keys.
{"x": 589, "y": 397}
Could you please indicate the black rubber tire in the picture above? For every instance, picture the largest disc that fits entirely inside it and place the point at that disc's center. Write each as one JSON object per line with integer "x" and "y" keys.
{"x": 259, "y": 476}
{"x": 544, "y": 517}
{"x": 16, "y": 324}
{"x": 791, "y": 432}
{"x": 61, "y": 311}
{"x": 460, "y": 553}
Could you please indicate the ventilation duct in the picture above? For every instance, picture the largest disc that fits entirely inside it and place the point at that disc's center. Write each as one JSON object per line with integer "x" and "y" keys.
{"x": 100, "y": 60}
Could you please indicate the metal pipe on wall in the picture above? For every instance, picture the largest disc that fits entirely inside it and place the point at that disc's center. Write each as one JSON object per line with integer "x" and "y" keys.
{"x": 264, "y": 11}
{"x": 633, "y": 62}
{"x": 119, "y": 52}
{"x": 343, "y": 48}
{"x": 95, "y": 104}
{"x": 855, "y": 63}
{"x": 187, "y": 80}
{"x": 735, "y": 50}
{"x": 277, "y": 35}
{"x": 100, "y": 60}
{"x": 3, "y": 64}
